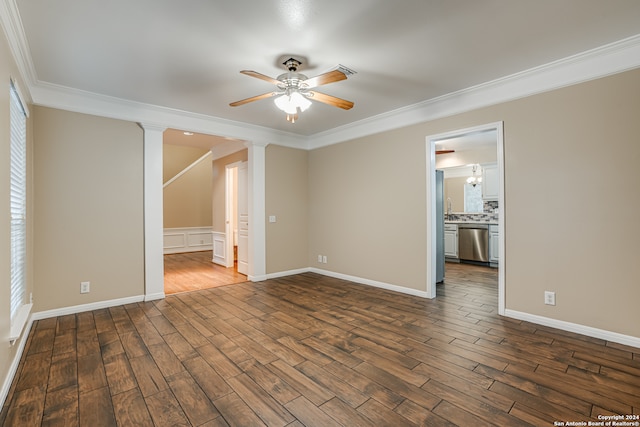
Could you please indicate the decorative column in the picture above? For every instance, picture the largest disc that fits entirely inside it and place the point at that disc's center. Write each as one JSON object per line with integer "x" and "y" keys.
{"x": 257, "y": 211}
{"x": 153, "y": 221}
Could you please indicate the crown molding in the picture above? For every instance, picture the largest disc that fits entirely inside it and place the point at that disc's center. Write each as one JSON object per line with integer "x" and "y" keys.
{"x": 14, "y": 31}
{"x": 70, "y": 99}
{"x": 613, "y": 58}
{"x": 65, "y": 98}
{"x": 610, "y": 59}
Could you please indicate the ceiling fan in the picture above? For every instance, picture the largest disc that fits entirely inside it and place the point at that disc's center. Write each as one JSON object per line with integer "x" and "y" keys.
{"x": 294, "y": 89}
{"x": 445, "y": 151}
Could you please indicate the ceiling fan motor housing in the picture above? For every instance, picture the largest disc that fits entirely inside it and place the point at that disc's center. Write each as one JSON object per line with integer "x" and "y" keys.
{"x": 292, "y": 64}
{"x": 292, "y": 81}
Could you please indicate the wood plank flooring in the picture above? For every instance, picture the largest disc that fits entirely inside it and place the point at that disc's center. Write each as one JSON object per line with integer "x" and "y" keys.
{"x": 192, "y": 271}
{"x": 309, "y": 350}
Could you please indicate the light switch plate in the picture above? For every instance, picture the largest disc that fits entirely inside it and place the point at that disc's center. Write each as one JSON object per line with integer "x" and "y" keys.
{"x": 272, "y": 218}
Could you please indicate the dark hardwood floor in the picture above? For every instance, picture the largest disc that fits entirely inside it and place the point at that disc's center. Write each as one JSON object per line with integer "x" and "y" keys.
{"x": 317, "y": 351}
{"x": 192, "y": 271}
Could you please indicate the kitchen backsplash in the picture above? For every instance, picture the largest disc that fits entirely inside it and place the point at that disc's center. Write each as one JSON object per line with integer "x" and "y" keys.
{"x": 489, "y": 214}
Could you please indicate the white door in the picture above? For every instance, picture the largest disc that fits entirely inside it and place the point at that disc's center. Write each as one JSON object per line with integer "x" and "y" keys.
{"x": 243, "y": 219}
{"x": 231, "y": 214}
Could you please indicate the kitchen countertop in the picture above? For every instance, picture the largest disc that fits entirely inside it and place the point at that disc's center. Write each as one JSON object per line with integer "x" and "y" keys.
{"x": 471, "y": 222}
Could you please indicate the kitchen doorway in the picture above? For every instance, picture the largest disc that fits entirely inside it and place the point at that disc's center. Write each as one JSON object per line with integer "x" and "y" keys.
{"x": 454, "y": 147}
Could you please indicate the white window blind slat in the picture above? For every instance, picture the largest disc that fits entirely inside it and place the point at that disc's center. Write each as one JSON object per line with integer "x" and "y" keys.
{"x": 18, "y": 187}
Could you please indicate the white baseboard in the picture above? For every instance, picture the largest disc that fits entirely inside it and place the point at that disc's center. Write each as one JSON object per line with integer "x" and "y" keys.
{"x": 541, "y": 320}
{"x": 287, "y": 273}
{"x": 13, "y": 367}
{"x": 374, "y": 283}
{"x": 545, "y": 321}
{"x": 355, "y": 279}
{"x": 152, "y": 297}
{"x": 576, "y": 328}
{"x": 39, "y": 315}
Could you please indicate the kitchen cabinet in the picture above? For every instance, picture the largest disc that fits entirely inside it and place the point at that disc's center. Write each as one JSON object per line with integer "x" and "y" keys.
{"x": 451, "y": 240}
{"x": 494, "y": 244}
{"x": 490, "y": 182}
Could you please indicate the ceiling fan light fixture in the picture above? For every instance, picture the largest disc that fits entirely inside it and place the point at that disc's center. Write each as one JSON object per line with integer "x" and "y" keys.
{"x": 291, "y": 102}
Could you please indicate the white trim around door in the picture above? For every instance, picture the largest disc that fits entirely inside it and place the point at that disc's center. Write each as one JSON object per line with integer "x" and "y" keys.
{"x": 231, "y": 213}
{"x": 431, "y": 206}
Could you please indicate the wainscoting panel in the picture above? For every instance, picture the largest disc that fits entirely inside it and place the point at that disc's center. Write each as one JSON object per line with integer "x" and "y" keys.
{"x": 187, "y": 239}
{"x": 219, "y": 248}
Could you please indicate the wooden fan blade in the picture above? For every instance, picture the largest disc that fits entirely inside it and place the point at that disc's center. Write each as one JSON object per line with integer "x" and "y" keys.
{"x": 331, "y": 100}
{"x": 261, "y": 76}
{"x": 445, "y": 151}
{"x": 253, "y": 98}
{"x": 326, "y": 78}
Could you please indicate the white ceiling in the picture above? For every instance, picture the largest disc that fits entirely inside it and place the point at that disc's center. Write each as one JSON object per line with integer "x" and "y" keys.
{"x": 186, "y": 55}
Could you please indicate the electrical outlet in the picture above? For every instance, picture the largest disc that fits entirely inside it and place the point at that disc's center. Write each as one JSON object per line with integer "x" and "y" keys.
{"x": 549, "y": 298}
{"x": 319, "y": 258}
{"x": 85, "y": 287}
{"x": 324, "y": 259}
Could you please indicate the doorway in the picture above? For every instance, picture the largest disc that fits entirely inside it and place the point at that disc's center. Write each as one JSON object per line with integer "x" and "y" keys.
{"x": 193, "y": 208}
{"x": 236, "y": 241}
{"x": 437, "y": 143}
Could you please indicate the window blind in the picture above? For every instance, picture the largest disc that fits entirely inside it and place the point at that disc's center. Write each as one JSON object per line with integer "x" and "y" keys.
{"x": 18, "y": 184}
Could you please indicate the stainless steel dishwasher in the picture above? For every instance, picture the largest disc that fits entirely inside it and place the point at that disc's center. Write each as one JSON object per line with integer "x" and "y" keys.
{"x": 473, "y": 242}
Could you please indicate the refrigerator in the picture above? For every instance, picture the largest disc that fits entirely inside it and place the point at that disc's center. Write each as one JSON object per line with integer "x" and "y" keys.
{"x": 439, "y": 226}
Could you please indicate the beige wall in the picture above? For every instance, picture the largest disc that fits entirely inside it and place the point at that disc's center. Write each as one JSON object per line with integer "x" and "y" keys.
{"x": 573, "y": 228}
{"x": 89, "y": 208}
{"x": 218, "y": 190}
{"x": 8, "y": 354}
{"x": 367, "y": 208}
{"x": 187, "y": 201}
{"x": 286, "y": 191}
{"x": 571, "y": 202}
{"x": 177, "y": 157}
